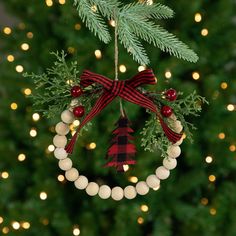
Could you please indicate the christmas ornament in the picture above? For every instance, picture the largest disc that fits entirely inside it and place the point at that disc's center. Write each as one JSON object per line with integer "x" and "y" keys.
{"x": 171, "y": 94}
{"x": 166, "y": 111}
{"x": 78, "y": 111}
{"x": 76, "y": 91}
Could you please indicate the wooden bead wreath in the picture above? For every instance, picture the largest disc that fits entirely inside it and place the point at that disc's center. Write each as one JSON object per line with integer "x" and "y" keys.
{"x": 104, "y": 191}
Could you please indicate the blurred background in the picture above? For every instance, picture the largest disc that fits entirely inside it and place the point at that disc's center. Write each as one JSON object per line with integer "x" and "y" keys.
{"x": 199, "y": 198}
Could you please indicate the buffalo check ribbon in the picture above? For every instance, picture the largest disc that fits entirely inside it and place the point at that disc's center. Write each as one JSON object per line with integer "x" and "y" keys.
{"x": 125, "y": 90}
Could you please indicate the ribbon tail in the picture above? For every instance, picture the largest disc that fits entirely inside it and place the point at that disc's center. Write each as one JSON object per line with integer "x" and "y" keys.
{"x": 101, "y": 103}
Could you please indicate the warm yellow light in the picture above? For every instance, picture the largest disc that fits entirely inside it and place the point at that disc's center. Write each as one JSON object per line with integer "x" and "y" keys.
{"x": 221, "y": 135}
{"x": 212, "y": 178}
{"x": 43, "y": 196}
{"x": 126, "y": 168}
{"x": 1, "y": 220}
{"x": 15, "y": 225}
{"x": 49, "y": 3}
{"x": 140, "y": 220}
{"x": 5, "y": 175}
{"x": 168, "y": 74}
{"x": 112, "y": 23}
{"x": 71, "y": 50}
{"x": 204, "y": 32}
{"x": 98, "y": 54}
{"x": 25, "y": 225}
{"x": 230, "y": 107}
{"x": 45, "y": 221}
{"x": 25, "y": 46}
{"x": 51, "y": 148}
{"x": 76, "y": 231}
{"x": 60, "y": 178}
{"x": 10, "y": 58}
{"x": 5, "y": 230}
{"x": 62, "y": 2}
{"x": 69, "y": 81}
{"x": 232, "y": 148}
{"x": 224, "y": 85}
{"x": 213, "y": 211}
{"x": 27, "y": 91}
{"x": 21, "y": 157}
{"x": 21, "y": 25}
{"x": 7, "y": 30}
{"x": 19, "y": 68}
{"x": 94, "y": 8}
{"x": 196, "y": 75}
{"x": 133, "y": 179}
{"x": 204, "y": 201}
{"x": 141, "y": 68}
{"x": 122, "y": 68}
{"x": 76, "y": 123}
{"x": 35, "y": 117}
{"x": 198, "y": 17}
{"x": 92, "y": 146}
{"x": 14, "y": 106}
{"x": 77, "y": 26}
{"x": 29, "y": 35}
{"x": 144, "y": 208}
{"x": 33, "y": 132}
{"x": 209, "y": 159}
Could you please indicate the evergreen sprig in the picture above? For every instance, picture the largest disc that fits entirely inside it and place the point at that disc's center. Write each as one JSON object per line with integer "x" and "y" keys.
{"x": 134, "y": 22}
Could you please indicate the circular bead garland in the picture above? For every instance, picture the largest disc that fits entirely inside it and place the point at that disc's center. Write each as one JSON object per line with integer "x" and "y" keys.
{"x": 104, "y": 191}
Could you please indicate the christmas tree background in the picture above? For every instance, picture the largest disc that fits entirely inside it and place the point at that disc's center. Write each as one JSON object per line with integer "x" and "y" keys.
{"x": 199, "y": 197}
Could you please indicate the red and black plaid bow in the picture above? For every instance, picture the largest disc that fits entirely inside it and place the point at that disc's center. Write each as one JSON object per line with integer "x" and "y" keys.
{"x": 125, "y": 90}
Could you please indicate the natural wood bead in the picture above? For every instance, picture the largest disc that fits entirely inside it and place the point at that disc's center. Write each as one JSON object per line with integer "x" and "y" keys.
{"x": 173, "y": 151}
{"x": 67, "y": 117}
{"x": 169, "y": 163}
{"x": 81, "y": 182}
{"x": 72, "y": 174}
{"x": 65, "y": 164}
{"x": 142, "y": 188}
{"x": 62, "y": 128}
{"x": 60, "y": 153}
{"x": 104, "y": 192}
{"x": 162, "y": 173}
{"x": 117, "y": 193}
{"x": 92, "y": 189}
{"x": 60, "y": 141}
{"x": 130, "y": 192}
{"x": 152, "y": 181}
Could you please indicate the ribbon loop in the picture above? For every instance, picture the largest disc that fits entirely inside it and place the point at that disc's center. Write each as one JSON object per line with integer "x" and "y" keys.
{"x": 117, "y": 87}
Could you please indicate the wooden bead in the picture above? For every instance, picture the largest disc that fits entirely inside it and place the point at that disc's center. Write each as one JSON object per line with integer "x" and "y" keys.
{"x": 178, "y": 143}
{"x": 60, "y": 141}
{"x": 162, "y": 173}
{"x": 81, "y": 182}
{"x": 104, "y": 192}
{"x": 117, "y": 193}
{"x": 72, "y": 174}
{"x": 67, "y": 117}
{"x": 60, "y": 153}
{"x": 62, "y": 128}
{"x": 65, "y": 164}
{"x": 92, "y": 189}
{"x": 178, "y": 126}
{"x": 142, "y": 188}
{"x": 152, "y": 181}
{"x": 173, "y": 117}
{"x": 130, "y": 192}
{"x": 169, "y": 163}
{"x": 173, "y": 151}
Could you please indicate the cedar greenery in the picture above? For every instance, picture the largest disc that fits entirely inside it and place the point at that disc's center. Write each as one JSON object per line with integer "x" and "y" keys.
{"x": 134, "y": 22}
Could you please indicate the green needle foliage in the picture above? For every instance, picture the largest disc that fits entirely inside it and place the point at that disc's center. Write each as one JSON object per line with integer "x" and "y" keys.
{"x": 135, "y": 22}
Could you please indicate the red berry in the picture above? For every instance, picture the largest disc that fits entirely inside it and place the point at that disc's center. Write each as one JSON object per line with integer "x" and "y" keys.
{"x": 76, "y": 91}
{"x": 78, "y": 111}
{"x": 166, "y": 111}
{"x": 171, "y": 94}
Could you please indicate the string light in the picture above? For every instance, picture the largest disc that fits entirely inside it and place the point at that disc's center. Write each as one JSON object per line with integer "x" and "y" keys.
{"x": 91, "y": 146}
{"x": 232, "y": 148}
{"x": 204, "y": 201}
{"x": 198, "y": 17}
{"x": 122, "y": 68}
{"x": 76, "y": 231}
{"x": 27, "y": 91}
{"x": 133, "y": 179}
{"x": 77, "y": 26}
{"x": 35, "y": 117}
{"x": 61, "y": 178}
{"x": 15, "y": 225}
{"x": 14, "y": 106}
{"x": 141, "y": 68}
{"x": 10, "y": 58}
{"x": 126, "y": 168}
{"x": 98, "y": 54}
{"x": 168, "y": 74}
{"x": 21, "y": 157}
{"x": 204, "y": 32}
{"x": 29, "y": 35}
{"x": 25, "y": 225}
{"x": 49, "y": 3}
{"x": 7, "y": 30}
{"x": 21, "y": 25}
{"x": 25, "y": 46}
{"x": 230, "y": 107}
{"x": 144, "y": 208}
{"x": 1, "y": 220}
{"x": 19, "y": 68}
{"x": 209, "y": 159}
{"x": 212, "y": 178}
{"x": 5, "y": 230}
{"x": 62, "y": 2}
{"x": 140, "y": 220}
{"x": 221, "y": 135}
{"x": 112, "y": 23}
{"x": 33, "y": 132}
{"x": 5, "y": 175}
{"x": 51, "y": 148}
{"x": 213, "y": 211}
{"x": 76, "y": 123}
{"x": 94, "y": 8}
{"x": 196, "y": 75}
{"x": 43, "y": 196}
{"x": 71, "y": 50}
{"x": 224, "y": 85}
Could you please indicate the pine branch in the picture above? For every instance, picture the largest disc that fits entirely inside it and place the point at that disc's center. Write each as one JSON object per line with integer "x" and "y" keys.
{"x": 93, "y": 19}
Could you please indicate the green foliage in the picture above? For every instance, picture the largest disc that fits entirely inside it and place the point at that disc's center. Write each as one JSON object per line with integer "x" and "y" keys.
{"x": 134, "y": 22}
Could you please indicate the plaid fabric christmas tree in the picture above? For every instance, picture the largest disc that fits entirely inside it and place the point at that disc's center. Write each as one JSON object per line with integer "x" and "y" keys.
{"x": 121, "y": 150}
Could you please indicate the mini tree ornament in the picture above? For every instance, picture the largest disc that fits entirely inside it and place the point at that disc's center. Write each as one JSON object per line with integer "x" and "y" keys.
{"x": 163, "y": 131}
